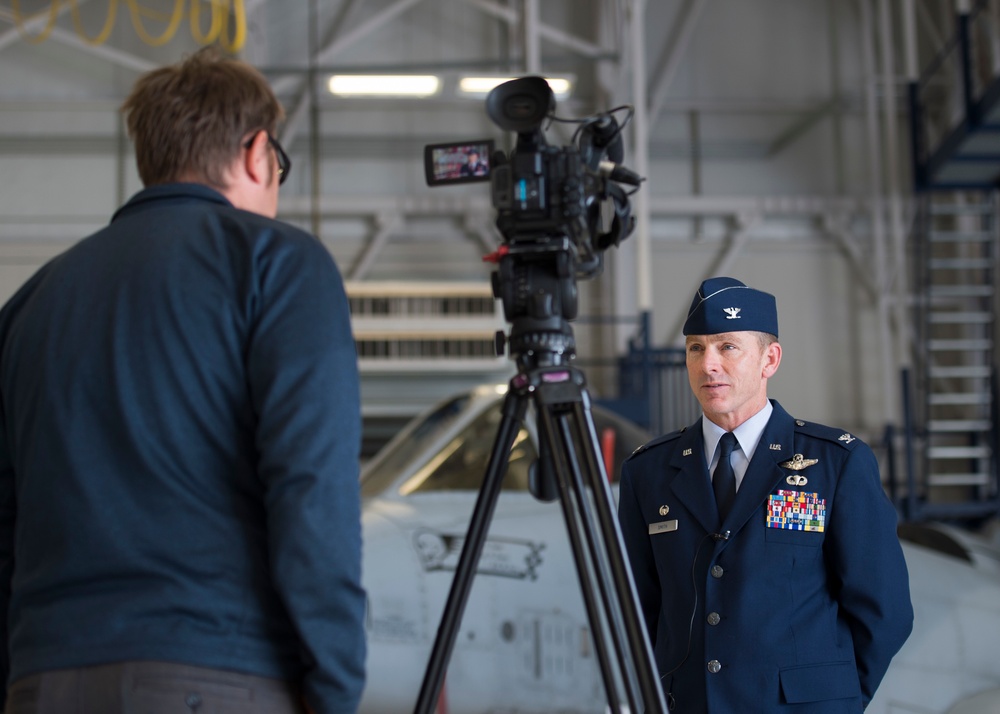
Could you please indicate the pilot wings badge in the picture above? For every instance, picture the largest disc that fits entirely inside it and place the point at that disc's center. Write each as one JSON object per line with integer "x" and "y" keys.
{"x": 797, "y": 463}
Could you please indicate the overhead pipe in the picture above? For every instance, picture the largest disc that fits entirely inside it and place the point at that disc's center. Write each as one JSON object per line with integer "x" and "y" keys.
{"x": 882, "y": 278}
{"x": 532, "y": 38}
{"x": 640, "y": 157}
{"x": 893, "y": 187}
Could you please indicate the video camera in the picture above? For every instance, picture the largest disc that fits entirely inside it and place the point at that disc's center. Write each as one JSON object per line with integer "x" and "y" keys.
{"x": 551, "y": 204}
{"x": 549, "y": 209}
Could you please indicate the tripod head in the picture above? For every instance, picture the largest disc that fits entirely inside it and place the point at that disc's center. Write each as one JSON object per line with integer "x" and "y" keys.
{"x": 537, "y": 287}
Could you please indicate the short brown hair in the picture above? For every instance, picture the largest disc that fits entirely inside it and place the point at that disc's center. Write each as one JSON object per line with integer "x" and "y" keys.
{"x": 765, "y": 339}
{"x": 187, "y": 119}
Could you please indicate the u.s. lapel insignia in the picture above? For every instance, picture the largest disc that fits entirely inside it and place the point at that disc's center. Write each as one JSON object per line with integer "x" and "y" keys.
{"x": 664, "y": 510}
{"x": 687, "y": 452}
{"x": 775, "y": 447}
{"x": 846, "y": 438}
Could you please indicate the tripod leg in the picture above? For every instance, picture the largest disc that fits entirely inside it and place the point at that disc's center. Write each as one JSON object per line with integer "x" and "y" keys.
{"x": 565, "y": 421}
{"x": 548, "y": 432}
{"x": 514, "y": 407}
{"x": 621, "y": 575}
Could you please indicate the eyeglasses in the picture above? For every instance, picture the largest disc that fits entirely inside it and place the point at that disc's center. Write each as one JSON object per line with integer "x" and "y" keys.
{"x": 284, "y": 163}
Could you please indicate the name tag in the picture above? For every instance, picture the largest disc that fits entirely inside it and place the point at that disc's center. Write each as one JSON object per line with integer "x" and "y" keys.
{"x": 662, "y": 527}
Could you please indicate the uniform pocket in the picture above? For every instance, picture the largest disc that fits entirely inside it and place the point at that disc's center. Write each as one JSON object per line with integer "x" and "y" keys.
{"x": 792, "y": 537}
{"x": 819, "y": 682}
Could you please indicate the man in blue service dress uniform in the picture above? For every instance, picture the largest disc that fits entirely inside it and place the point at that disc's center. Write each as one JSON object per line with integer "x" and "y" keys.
{"x": 179, "y": 437}
{"x": 767, "y": 565}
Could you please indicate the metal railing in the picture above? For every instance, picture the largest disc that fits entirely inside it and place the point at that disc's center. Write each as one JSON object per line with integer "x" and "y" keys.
{"x": 653, "y": 388}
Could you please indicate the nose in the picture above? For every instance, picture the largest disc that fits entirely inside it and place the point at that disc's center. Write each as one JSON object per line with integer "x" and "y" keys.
{"x": 710, "y": 360}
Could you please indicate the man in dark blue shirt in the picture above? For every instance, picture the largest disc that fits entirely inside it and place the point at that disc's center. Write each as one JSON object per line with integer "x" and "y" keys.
{"x": 179, "y": 436}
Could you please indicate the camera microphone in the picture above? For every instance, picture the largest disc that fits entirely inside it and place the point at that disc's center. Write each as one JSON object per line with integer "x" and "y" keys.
{"x": 718, "y": 537}
{"x": 617, "y": 172}
{"x": 602, "y": 137}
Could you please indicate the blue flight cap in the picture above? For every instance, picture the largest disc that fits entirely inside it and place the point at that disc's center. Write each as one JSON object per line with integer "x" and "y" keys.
{"x": 727, "y": 305}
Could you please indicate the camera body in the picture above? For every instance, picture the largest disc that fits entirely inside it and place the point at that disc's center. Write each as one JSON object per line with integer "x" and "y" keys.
{"x": 540, "y": 192}
{"x": 550, "y": 203}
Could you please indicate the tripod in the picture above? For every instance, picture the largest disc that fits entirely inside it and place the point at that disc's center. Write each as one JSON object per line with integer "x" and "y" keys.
{"x": 570, "y": 466}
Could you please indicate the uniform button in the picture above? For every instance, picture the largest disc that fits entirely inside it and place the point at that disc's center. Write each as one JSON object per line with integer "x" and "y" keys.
{"x": 717, "y": 571}
{"x": 714, "y": 666}
{"x": 713, "y": 618}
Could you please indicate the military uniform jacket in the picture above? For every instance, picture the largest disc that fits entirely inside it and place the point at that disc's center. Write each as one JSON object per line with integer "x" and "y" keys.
{"x": 797, "y": 602}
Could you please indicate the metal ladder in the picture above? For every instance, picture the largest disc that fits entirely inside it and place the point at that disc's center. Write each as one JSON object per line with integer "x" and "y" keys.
{"x": 956, "y": 262}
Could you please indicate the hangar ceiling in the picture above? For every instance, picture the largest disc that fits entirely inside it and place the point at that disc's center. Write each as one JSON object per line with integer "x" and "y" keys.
{"x": 709, "y": 56}
{"x": 740, "y": 83}
{"x": 752, "y": 117}
{"x": 715, "y": 79}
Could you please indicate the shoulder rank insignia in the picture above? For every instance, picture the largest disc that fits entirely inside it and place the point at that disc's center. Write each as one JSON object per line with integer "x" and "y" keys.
{"x": 847, "y": 438}
{"x": 656, "y": 442}
{"x": 798, "y": 462}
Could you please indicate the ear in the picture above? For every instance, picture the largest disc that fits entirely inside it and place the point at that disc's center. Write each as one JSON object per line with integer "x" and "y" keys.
{"x": 257, "y": 159}
{"x": 772, "y": 358}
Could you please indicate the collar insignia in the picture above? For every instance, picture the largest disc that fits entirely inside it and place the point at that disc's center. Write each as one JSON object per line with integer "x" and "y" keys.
{"x": 687, "y": 452}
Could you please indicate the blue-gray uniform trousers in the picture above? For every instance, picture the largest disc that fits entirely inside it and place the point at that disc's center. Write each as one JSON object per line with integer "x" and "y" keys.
{"x": 151, "y": 688}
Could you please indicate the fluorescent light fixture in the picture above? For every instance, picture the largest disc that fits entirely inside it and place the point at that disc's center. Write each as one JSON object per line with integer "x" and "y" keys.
{"x": 481, "y": 86}
{"x": 356, "y": 85}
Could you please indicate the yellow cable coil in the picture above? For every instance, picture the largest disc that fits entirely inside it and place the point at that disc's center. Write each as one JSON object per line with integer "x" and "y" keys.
{"x": 232, "y": 39}
{"x": 105, "y": 31}
{"x": 20, "y": 22}
{"x": 140, "y": 28}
